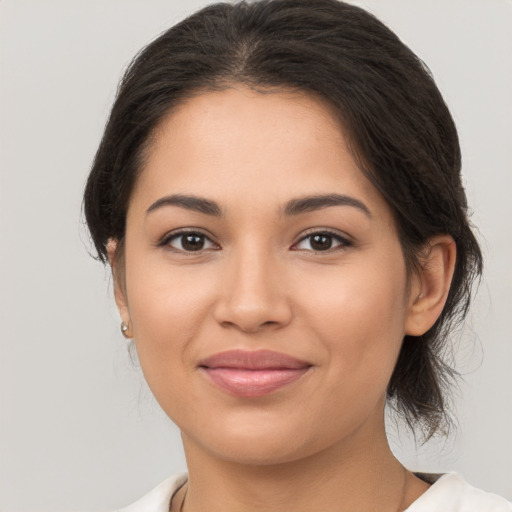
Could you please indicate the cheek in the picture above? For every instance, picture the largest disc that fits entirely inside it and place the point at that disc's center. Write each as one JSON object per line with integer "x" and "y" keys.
{"x": 168, "y": 308}
{"x": 358, "y": 315}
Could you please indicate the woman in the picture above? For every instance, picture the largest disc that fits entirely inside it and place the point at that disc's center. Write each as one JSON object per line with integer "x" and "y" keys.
{"x": 278, "y": 194}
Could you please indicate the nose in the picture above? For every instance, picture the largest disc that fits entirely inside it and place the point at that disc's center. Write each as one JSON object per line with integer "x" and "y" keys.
{"x": 254, "y": 295}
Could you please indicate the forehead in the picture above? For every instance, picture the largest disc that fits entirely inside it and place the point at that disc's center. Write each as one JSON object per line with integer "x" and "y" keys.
{"x": 258, "y": 145}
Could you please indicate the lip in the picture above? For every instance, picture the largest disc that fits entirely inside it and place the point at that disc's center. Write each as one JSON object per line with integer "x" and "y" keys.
{"x": 252, "y": 373}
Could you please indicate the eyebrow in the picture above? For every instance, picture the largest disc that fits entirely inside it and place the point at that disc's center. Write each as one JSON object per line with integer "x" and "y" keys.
{"x": 318, "y": 202}
{"x": 194, "y": 203}
{"x": 292, "y": 207}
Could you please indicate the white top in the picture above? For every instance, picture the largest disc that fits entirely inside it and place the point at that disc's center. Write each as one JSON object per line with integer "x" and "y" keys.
{"x": 449, "y": 493}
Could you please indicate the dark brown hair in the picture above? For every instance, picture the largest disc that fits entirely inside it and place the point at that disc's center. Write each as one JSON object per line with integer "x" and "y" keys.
{"x": 400, "y": 130}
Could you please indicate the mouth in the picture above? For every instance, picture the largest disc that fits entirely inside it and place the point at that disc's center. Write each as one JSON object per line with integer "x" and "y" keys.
{"x": 252, "y": 373}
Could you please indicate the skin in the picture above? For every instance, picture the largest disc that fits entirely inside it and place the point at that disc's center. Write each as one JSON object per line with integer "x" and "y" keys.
{"x": 318, "y": 443}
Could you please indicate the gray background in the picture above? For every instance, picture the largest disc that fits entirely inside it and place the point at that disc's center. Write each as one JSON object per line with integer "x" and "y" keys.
{"x": 79, "y": 431}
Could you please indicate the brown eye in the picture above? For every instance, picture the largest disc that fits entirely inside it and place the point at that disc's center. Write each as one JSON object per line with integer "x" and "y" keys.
{"x": 189, "y": 242}
{"x": 322, "y": 241}
{"x": 192, "y": 242}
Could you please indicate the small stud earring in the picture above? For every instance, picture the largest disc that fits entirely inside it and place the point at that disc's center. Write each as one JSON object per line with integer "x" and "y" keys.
{"x": 124, "y": 330}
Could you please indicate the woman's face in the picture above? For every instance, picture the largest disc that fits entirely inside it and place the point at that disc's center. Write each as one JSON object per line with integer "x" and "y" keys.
{"x": 264, "y": 280}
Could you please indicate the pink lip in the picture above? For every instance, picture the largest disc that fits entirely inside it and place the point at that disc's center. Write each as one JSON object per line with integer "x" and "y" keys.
{"x": 252, "y": 373}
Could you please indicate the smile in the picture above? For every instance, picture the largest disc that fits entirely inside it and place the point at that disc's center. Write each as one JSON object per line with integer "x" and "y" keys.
{"x": 252, "y": 373}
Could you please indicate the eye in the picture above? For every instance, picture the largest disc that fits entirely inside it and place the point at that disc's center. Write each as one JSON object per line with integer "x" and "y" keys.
{"x": 322, "y": 241}
{"x": 189, "y": 241}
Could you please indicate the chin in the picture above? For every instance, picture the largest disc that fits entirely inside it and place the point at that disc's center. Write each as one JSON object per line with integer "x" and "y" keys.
{"x": 259, "y": 452}
{"x": 258, "y": 443}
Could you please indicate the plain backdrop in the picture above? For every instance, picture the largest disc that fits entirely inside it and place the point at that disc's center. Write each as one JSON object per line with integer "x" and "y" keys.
{"x": 79, "y": 431}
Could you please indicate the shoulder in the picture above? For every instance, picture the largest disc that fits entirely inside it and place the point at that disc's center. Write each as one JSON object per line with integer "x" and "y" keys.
{"x": 159, "y": 499}
{"x": 451, "y": 493}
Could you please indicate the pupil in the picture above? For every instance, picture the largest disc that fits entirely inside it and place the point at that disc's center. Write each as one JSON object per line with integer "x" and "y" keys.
{"x": 321, "y": 242}
{"x": 193, "y": 242}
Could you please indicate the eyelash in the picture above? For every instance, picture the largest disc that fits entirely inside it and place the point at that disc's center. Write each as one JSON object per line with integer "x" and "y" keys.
{"x": 343, "y": 241}
{"x": 176, "y": 235}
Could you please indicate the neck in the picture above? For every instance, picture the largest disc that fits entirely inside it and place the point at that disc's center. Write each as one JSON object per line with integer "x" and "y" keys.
{"x": 355, "y": 474}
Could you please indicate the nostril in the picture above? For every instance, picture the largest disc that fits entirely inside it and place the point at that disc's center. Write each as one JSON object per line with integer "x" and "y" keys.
{"x": 246, "y": 325}
{"x": 251, "y": 304}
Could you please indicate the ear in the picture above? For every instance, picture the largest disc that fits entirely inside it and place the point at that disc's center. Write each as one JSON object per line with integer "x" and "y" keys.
{"x": 430, "y": 285}
{"x": 116, "y": 265}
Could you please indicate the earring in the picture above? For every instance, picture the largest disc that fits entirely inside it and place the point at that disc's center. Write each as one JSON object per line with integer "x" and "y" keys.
{"x": 125, "y": 330}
